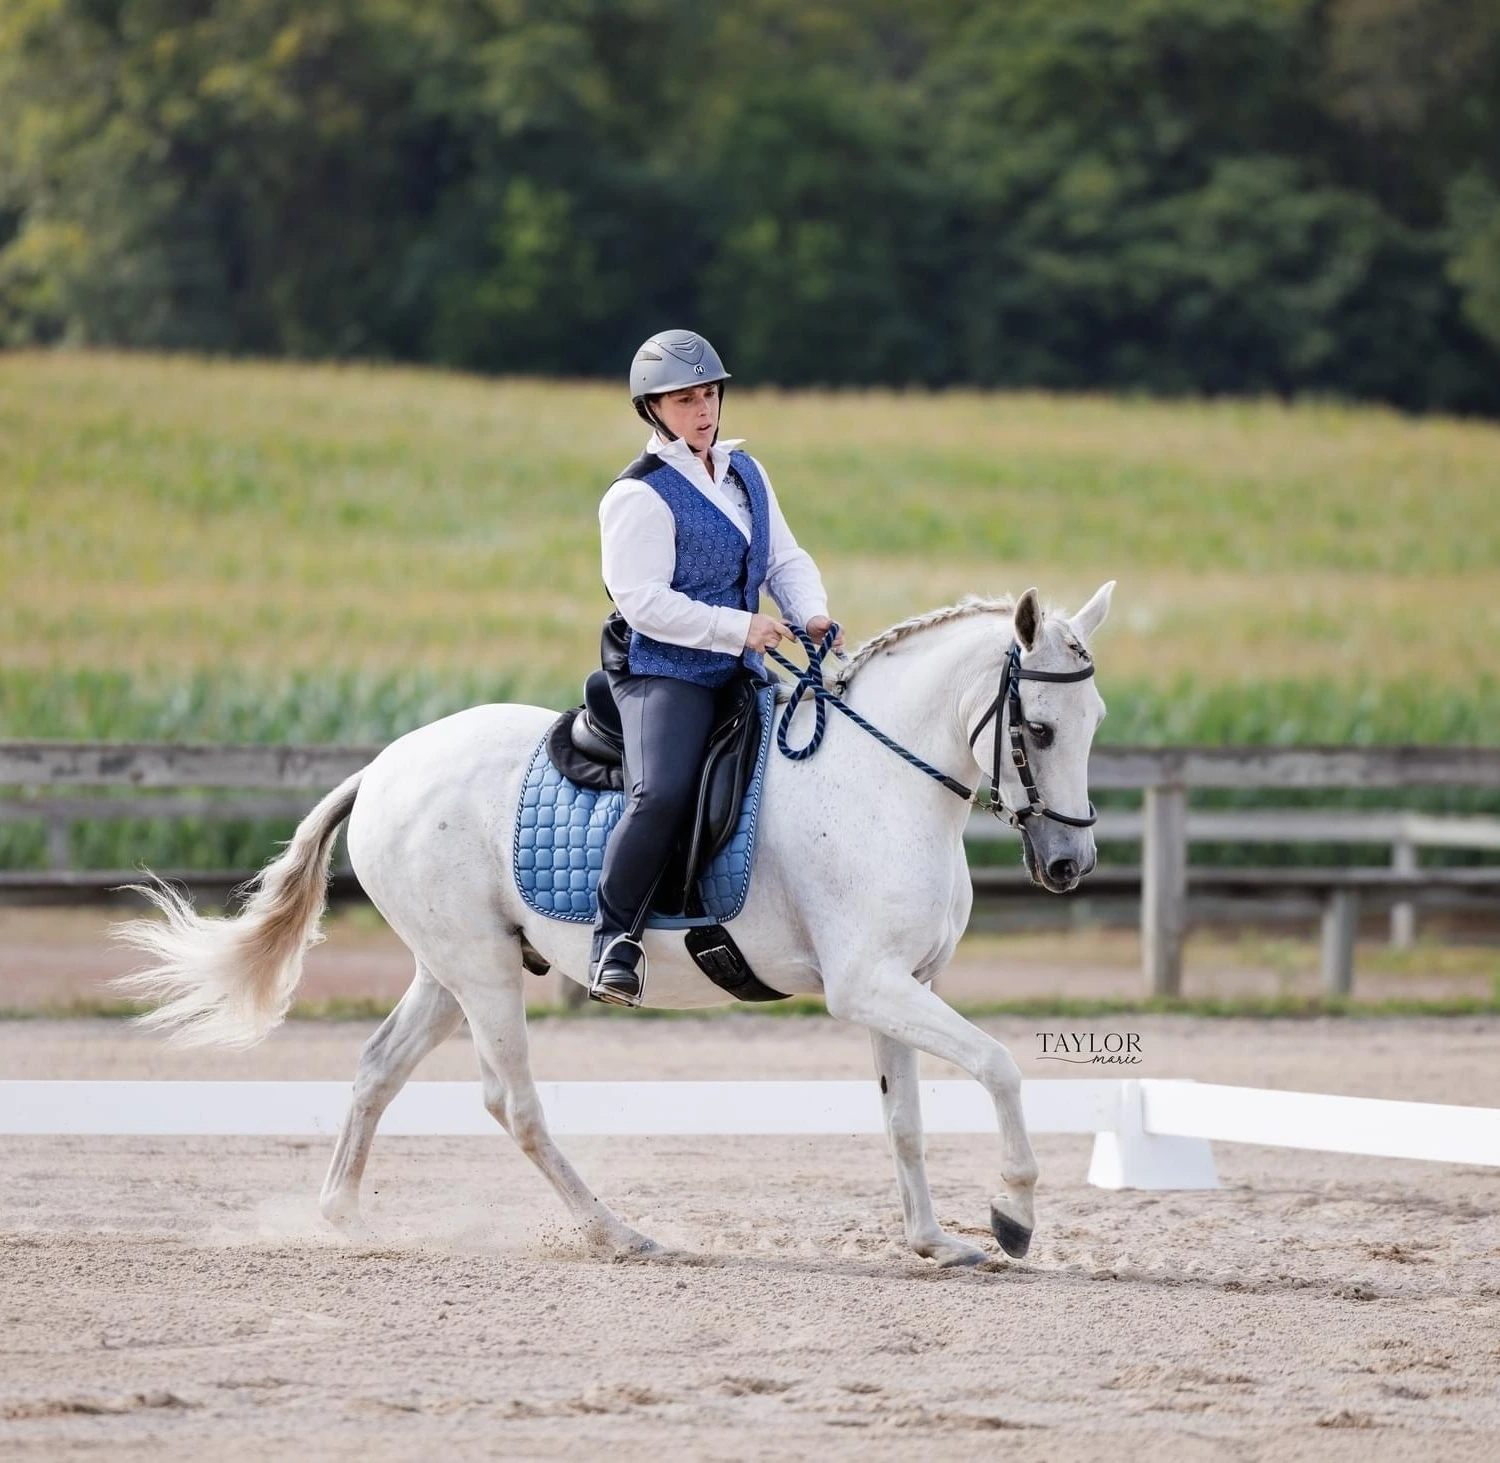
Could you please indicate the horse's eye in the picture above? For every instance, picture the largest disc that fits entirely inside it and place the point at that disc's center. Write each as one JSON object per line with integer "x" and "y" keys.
{"x": 1041, "y": 733}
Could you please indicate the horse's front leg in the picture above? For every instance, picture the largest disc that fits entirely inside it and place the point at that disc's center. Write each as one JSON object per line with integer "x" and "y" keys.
{"x": 896, "y": 1067}
{"x": 890, "y": 1001}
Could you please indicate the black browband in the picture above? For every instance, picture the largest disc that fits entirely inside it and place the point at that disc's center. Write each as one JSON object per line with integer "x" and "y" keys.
{"x": 1011, "y": 676}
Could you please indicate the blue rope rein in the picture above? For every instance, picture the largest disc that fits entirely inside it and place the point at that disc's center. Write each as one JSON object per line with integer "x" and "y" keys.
{"x": 810, "y": 678}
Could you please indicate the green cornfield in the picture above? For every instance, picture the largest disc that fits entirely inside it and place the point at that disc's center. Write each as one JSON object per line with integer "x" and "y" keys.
{"x": 201, "y": 549}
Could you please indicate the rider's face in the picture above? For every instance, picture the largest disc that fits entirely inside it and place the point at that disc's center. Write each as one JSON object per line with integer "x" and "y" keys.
{"x": 693, "y": 414}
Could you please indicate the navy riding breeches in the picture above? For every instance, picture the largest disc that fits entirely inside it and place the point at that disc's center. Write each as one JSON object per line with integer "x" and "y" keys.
{"x": 666, "y": 721}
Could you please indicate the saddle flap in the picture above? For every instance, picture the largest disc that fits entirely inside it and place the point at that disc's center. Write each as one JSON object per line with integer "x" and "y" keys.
{"x": 568, "y": 805}
{"x": 728, "y": 765}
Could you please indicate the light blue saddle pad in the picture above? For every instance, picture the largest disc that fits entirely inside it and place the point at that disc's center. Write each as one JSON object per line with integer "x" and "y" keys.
{"x": 561, "y": 831}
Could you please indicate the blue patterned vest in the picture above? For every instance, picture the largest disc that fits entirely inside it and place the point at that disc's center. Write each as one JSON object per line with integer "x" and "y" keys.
{"x": 714, "y": 565}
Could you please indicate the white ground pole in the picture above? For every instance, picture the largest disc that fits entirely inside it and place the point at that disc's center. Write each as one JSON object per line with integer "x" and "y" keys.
{"x": 1148, "y": 1133}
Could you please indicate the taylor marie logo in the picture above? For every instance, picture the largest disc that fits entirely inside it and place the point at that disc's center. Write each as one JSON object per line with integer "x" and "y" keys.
{"x": 1091, "y": 1048}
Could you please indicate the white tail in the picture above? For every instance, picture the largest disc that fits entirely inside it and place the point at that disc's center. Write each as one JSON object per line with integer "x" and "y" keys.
{"x": 228, "y": 981}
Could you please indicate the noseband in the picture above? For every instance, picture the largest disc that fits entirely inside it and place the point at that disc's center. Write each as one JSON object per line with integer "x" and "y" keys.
{"x": 1012, "y": 673}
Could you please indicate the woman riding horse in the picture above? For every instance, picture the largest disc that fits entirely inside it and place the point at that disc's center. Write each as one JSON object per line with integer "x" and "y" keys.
{"x": 691, "y": 533}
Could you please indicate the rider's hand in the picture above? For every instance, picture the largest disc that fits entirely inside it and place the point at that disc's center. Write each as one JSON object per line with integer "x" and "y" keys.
{"x": 766, "y": 631}
{"x": 817, "y": 628}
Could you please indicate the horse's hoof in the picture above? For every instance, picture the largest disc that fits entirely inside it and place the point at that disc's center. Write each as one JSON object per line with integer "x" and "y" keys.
{"x": 954, "y": 1257}
{"x": 648, "y": 1251}
{"x": 1013, "y": 1237}
{"x": 950, "y": 1253}
{"x": 342, "y": 1214}
{"x": 620, "y": 1243}
{"x": 640, "y": 1247}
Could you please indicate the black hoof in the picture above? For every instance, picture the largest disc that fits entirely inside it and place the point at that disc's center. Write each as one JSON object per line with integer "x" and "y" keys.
{"x": 1013, "y": 1238}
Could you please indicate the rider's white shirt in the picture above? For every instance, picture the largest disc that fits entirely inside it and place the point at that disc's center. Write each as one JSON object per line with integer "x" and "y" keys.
{"x": 639, "y": 541}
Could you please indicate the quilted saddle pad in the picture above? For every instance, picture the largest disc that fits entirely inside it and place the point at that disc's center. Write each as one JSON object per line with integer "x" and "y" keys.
{"x": 562, "y": 828}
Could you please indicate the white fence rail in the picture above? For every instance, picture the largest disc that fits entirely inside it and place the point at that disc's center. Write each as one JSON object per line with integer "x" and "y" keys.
{"x": 1148, "y": 1133}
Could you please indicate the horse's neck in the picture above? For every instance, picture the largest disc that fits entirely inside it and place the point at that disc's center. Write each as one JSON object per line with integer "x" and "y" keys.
{"x": 931, "y": 688}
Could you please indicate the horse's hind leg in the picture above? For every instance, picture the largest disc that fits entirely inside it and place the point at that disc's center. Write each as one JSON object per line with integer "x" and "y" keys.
{"x": 896, "y": 1066}
{"x": 497, "y": 1022}
{"x": 426, "y": 1015}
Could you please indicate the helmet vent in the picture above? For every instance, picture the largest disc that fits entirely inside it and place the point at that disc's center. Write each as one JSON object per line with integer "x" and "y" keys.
{"x": 648, "y": 356}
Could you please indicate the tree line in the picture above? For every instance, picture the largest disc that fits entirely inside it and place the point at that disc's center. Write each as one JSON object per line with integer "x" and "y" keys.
{"x": 1212, "y": 196}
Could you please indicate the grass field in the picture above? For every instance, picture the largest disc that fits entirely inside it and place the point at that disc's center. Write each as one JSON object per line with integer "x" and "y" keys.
{"x": 206, "y": 550}
{"x": 163, "y": 518}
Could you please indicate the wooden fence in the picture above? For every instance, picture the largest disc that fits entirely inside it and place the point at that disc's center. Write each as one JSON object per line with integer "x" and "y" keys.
{"x": 1165, "y": 775}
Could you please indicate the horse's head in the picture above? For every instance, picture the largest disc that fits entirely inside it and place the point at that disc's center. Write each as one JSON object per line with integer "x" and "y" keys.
{"x": 1043, "y": 756}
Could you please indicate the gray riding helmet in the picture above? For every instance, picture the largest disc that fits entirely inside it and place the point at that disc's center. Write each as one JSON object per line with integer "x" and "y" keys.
{"x": 670, "y": 361}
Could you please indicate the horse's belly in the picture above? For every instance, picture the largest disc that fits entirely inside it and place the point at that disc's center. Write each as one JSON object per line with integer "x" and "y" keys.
{"x": 676, "y": 983}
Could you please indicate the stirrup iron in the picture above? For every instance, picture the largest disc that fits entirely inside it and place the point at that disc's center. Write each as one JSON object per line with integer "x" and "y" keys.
{"x": 608, "y": 997}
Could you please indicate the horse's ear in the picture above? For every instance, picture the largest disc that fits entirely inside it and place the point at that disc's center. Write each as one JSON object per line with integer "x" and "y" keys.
{"x": 1028, "y": 618}
{"x": 1091, "y": 616}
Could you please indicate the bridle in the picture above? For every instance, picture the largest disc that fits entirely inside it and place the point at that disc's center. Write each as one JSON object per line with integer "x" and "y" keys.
{"x": 809, "y": 679}
{"x": 1012, "y": 673}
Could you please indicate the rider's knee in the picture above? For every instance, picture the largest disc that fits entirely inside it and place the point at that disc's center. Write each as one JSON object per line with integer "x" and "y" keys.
{"x": 664, "y": 797}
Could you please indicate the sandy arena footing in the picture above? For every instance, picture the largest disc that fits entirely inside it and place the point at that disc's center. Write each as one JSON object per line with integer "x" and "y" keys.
{"x": 172, "y": 1299}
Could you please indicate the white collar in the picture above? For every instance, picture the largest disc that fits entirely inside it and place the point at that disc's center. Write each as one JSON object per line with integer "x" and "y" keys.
{"x": 678, "y": 452}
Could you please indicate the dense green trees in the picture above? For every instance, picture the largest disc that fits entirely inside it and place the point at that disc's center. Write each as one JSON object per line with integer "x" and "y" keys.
{"x": 1204, "y": 195}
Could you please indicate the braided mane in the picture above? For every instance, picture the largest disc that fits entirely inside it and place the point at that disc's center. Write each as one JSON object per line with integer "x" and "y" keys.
{"x": 970, "y": 604}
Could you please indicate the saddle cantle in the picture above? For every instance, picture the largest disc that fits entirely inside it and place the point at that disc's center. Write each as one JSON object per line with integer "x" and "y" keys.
{"x": 586, "y": 744}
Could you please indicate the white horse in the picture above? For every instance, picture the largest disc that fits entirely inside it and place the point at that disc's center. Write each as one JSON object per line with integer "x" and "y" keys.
{"x": 859, "y": 893}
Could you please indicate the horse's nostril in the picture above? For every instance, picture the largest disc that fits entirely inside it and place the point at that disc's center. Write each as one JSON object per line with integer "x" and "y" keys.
{"x": 1062, "y": 871}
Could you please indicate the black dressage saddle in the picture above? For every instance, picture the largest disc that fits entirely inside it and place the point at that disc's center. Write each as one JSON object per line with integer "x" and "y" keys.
{"x": 586, "y": 745}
